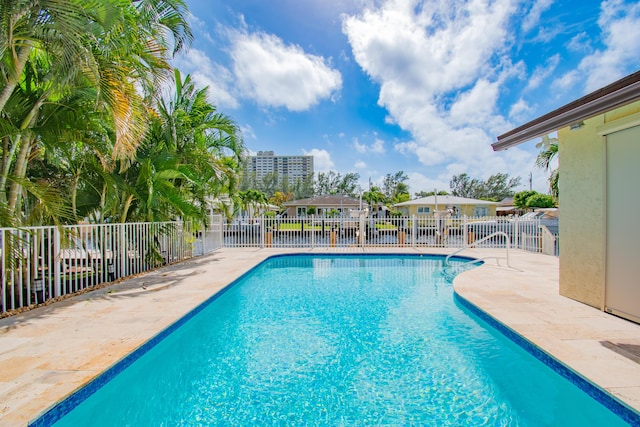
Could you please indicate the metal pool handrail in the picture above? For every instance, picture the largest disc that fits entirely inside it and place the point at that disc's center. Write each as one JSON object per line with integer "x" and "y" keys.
{"x": 467, "y": 246}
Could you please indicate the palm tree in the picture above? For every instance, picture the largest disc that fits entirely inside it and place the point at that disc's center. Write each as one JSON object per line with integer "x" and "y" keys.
{"x": 374, "y": 197}
{"x": 549, "y": 147}
{"x": 55, "y": 51}
{"x": 251, "y": 200}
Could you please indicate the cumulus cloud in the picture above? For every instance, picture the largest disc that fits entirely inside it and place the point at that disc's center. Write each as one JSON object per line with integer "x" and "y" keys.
{"x": 206, "y": 73}
{"x": 360, "y": 148}
{"x": 275, "y": 74}
{"x": 519, "y": 110}
{"x": 440, "y": 67}
{"x": 321, "y": 160}
{"x": 360, "y": 165}
{"x": 421, "y": 182}
{"x": 377, "y": 146}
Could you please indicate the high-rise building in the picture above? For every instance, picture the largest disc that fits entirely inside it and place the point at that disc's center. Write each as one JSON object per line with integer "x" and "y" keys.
{"x": 293, "y": 167}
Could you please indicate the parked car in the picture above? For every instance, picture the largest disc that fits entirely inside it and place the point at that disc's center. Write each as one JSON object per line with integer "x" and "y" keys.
{"x": 528, "y": 223}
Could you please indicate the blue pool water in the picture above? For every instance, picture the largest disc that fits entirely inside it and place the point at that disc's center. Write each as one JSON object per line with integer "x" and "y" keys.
{"x": 336, "y": 341}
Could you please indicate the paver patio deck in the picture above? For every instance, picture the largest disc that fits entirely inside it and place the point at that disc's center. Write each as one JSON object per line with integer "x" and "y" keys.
{"x": 49, "y": 352}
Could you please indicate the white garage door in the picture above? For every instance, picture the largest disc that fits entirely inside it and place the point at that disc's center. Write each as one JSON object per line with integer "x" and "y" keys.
{"x": 622, "y": 287}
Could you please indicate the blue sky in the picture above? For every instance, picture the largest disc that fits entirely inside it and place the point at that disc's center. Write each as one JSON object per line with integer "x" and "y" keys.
{"x": 379, "y": 86}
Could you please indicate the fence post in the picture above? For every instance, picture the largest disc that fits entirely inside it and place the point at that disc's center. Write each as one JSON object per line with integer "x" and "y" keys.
{"x": 122, "y": 245}
{"x": 465, "y": 235}
{"x": 313, "y": 231}
{"x": 57, "y": 265}
{"x": 3, "y": 278}
{"x": 414, "y": 231}
{"x": 263, "y": 235}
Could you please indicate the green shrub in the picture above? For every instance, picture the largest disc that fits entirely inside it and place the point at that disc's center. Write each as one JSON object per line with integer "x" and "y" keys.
{"x": 540, "y": 201}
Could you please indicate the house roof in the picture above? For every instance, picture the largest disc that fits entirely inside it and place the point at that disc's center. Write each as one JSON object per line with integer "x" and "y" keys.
{"x": 617, "y": 94}
{"x": 327, "y": 201}
{"x": 444, "y": 201}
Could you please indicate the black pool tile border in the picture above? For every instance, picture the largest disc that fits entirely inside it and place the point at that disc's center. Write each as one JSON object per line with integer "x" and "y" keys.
{"x": 616, "y": 406}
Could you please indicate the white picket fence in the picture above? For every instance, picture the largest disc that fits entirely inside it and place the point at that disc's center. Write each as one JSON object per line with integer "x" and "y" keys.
{"x": 41, "y": 263}
{"x": 38, "y": 264}
{"x": 414, "y": 231}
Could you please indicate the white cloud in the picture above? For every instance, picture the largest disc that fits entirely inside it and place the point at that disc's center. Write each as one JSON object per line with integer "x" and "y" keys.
{"x": 377, "y": 146}
{"x": 440, "y": 67}
{"x": 321, "y": 160}
{"x": 580, "y": 43}
{"x": 247, "y": 132}
{"x": 519, "y": 110}
{"x": 533, "y": 17}
{"x": 419, "y": 182}
{"x": 541, "y": 73}
{"x": 360, "y": 165}
{"x": 360, "y": 148}
{"x": 279, "y": 75}
{"x": 619, "y": 23}
{"x": 206, "y": 73}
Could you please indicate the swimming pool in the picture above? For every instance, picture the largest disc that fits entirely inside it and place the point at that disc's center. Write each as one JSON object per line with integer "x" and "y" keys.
{"x": 334, "y": 340}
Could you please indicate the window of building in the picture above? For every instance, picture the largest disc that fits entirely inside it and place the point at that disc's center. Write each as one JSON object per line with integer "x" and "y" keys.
{"x": 481, "y": 211}
{"x": 422, "y": 210}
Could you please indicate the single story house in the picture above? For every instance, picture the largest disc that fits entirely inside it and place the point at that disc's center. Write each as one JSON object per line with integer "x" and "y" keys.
{"x": 599, "y": 153}
{"x": 457, "y": 206}
{"x": 323, "y": 205}
{"x": 506, "y": 207}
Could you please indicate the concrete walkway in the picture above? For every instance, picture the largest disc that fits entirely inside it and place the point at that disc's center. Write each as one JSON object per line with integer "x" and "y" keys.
{"x": 49, "y": 352}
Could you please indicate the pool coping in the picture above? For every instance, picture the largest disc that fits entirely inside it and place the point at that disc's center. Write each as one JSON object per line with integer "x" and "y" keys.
{"x": 249, "y": 260}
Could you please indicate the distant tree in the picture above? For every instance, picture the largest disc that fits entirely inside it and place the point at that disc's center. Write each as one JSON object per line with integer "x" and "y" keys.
{"x": 540, "y": 201}
{"x": 400, "y": 197}
{"x": 248, "y": 181}
{"x": 420, "y": 194}
{"x": 495, "y": 188}
{"x": 269, "y": 183}
{"x": 463, "y": 186}
{"x": 311, "y": 210}
{"x": 303, "y": 188}
{"x": 280, "y": 198}
{"x": 334, "y": 183}
{"x": 520, "y": 198}
{"x": 374, "y": 197}
{"x": 250, "y": 200}
{"x": 393, "y": 184}
{"x": 500, "y": 186}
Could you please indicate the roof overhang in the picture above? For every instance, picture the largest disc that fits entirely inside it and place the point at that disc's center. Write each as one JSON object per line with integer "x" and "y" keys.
{"x": 617, "y": 94}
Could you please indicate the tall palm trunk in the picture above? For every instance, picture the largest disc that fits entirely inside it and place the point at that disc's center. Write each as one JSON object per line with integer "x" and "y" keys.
{"x": 20, "y": 169}
{"x": 125, "y": 208}
{"x": 14, "y": 77}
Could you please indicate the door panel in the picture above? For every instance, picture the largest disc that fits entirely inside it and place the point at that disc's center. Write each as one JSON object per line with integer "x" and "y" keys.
{"x": 622, "y": 285}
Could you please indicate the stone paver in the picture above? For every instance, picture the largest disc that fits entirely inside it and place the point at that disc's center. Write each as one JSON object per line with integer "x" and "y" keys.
{"x": 49, "y": 352}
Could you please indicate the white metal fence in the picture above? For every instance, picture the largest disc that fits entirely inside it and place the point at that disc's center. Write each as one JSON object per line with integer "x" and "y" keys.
{"x": 41, "y": 263}
{"x": 414, "y": 231}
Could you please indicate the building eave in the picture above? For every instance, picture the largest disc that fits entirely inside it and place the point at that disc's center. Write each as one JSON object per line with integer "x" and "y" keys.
{"x": 617, "y": 94}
